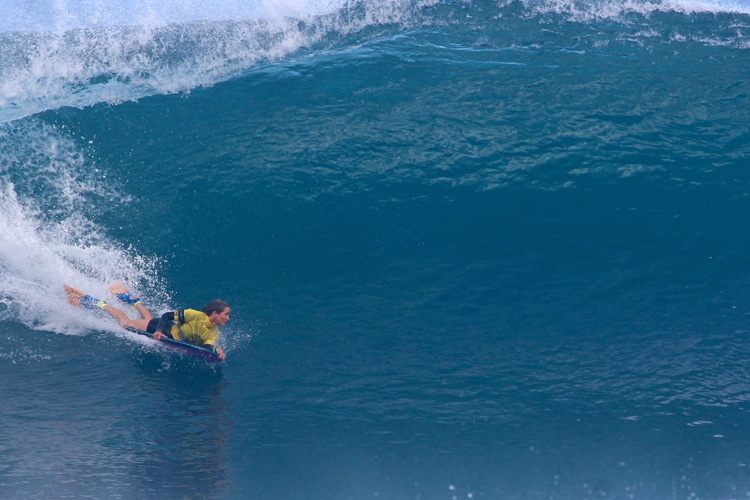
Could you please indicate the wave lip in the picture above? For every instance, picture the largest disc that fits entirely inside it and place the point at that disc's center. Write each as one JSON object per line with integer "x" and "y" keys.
{"x": 115, "y": 64}
{"x": 85, "y": 54}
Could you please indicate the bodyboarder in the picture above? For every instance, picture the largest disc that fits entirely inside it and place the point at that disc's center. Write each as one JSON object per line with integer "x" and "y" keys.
{"x": 200, "y": 328}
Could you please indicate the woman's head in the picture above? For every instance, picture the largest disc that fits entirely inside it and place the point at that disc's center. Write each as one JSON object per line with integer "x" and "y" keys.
{"x": 217, "y": 312}
{"x": 215, "y": 305}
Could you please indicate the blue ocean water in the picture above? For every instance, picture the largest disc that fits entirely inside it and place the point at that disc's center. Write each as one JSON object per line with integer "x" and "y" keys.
{"x": 473, "y": 249}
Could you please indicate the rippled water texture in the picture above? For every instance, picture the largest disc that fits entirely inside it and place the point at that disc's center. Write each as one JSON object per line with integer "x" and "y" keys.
{"x": 472, "y": 249}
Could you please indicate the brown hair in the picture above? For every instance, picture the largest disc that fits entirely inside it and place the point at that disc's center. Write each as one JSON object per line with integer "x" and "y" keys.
{"x": 215, "y": 306}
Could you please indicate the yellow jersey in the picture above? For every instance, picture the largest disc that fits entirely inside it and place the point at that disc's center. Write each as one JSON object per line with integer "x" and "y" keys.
{"x": 196, "y": 329}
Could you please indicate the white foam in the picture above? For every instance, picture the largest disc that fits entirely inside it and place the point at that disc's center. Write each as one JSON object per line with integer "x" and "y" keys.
{"x": 583, "y": 11}
{"x": 709, "y": 6}
{"x": 64, "y": 15}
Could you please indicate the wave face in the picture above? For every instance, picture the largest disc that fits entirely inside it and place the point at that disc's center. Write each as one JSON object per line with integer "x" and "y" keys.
{"x": 472, "y": 249}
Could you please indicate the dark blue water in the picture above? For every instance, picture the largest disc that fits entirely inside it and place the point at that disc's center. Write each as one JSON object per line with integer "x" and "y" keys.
{"x": 472, "y": 250}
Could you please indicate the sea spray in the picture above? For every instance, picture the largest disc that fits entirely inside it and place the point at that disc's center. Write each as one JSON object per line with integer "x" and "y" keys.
{"x": 48, "y": 229}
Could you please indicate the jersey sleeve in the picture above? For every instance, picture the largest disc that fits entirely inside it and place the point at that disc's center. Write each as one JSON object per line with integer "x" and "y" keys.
{"x": 213, "y": 336}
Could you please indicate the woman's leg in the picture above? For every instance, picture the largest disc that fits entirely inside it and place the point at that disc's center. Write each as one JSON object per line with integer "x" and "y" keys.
{"x": 122, "y": 293}
{"x": 144, "y": 312}
{"x": 125, "y": 322}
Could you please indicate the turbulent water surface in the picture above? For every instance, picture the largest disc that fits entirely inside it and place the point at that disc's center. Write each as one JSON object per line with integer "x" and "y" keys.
{"x": 472, "y": 249}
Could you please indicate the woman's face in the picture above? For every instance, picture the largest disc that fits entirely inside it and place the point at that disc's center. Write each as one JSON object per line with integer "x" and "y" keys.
{"x": 220, "y": 319}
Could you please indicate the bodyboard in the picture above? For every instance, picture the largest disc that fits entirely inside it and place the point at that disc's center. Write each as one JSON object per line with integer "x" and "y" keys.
{"x": 183, "y": 347}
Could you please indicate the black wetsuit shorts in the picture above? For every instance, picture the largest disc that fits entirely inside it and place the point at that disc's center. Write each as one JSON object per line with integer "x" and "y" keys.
{"x": 152, "y": 325}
